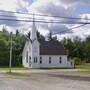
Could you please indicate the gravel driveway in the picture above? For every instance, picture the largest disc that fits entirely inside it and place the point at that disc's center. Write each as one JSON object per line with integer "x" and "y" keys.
{"x": 42, "y": 81}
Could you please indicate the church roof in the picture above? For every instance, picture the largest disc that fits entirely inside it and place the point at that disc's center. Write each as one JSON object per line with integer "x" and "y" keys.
{"x": 51, "y": 48}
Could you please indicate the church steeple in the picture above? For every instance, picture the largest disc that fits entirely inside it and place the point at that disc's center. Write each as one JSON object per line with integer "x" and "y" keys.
{"x": 33, "y": 31}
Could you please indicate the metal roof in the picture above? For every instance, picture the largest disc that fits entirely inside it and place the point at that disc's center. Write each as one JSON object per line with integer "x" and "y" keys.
{"x": 51, "y": 48}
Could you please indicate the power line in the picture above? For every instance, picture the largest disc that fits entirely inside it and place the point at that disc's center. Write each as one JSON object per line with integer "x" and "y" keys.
{"x": 23, "y": 17}
{"x": 69, "y": 29}
{"x": 14, "y": 16}
{"x": 41, "y": 21}
{"x": 44, "y": 15}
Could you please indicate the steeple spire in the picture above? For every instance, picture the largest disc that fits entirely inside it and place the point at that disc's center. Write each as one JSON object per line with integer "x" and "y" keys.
{"x": 33, "y": 30}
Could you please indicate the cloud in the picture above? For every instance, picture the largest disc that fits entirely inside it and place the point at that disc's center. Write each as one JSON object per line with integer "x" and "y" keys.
{"x": 13, "y": 5}
{"x": 54, "y": 8}
{"x": 8, "y": 5}
{"x": 57, "y": 28}
{"x": 63, "y": 8}
{"x": 50, "y": 7}
{"x": 8, "y": 23}
{"x": 81, "y": 32}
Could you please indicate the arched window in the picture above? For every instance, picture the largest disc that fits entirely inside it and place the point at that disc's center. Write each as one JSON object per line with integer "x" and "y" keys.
{"x": 49, "y": 60}
{"x": 30, "y": 59}
{"x": 60, "y": 60}
{"x": 27, "y": 57}
{"x": 35, "y": 59}
{"x": 40, "y": 60}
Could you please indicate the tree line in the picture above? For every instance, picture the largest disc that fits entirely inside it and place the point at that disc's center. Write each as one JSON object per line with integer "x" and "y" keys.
{"x": 76, "y": 49}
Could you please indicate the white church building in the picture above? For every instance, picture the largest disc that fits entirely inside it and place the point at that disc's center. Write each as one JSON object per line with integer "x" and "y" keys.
{"x": 44, "y": 54}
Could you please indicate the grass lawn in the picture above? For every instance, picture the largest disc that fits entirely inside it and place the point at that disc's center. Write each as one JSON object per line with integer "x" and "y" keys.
{"x": 23, "y": 68}
{"x": 84, "y": 66}
{"x": 18, "y": 74}
{"x": 13, "y": 68}
{"x": 83, "y": 72}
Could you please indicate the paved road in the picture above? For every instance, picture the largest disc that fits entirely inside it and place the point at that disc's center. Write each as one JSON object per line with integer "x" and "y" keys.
{"x": 42, "y": 81}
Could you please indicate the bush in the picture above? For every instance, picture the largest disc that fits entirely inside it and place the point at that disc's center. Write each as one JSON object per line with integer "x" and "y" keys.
{"x": 77, "y": 61}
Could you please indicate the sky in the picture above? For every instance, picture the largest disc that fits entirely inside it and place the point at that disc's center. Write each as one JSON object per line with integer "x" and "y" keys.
{"x": 65, "y": 8}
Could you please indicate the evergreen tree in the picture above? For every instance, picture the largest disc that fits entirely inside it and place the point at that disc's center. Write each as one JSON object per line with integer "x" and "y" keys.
{"x": 40, "y": 37}
{"x": 51, "y": 38}
{"x": 17, "y": 32}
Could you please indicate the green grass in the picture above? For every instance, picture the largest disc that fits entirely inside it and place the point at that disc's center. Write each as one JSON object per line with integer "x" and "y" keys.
{"x": 83, "y": 66}
{"x": 18, "y": 74}
{"x": 83, "y": 72}
{"x": 23, "y": 68}
{"x": 13, "y": 68}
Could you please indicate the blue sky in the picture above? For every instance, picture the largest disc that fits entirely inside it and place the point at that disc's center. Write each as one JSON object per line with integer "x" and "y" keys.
{"x": 67, "y": 8}
{"x": 30, "y": 1}
{"x": 82, "y": 9}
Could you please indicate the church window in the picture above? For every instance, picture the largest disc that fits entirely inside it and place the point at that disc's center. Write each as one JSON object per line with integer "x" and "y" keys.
{"x": 30, "y": 59}
{"x": 40, "y": 60}
{"x": 49, "y": 60}
{"x": 60, "y": 58}
{"x": 27, "y": 56}
{"x": 35, "y": 59}
{"x": 60, "y": 61}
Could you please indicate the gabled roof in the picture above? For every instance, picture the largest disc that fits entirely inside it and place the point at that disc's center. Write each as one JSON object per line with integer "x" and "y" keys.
{"x": 51, "y": 48}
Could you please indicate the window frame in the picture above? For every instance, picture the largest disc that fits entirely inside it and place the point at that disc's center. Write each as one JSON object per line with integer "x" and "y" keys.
{"x": 27, "y": 57}
{"x": 60, "y": 59}
{"x": 35, "y": 60}
{"x": 50, "y": 60}
{"x": 40, "y": 60}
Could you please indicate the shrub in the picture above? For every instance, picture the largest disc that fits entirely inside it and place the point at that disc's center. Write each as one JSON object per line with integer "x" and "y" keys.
{"x": 77, "y": 60}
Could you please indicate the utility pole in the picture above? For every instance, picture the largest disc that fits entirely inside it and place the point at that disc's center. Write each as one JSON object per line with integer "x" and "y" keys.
{"x": 10, "y": 54}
